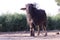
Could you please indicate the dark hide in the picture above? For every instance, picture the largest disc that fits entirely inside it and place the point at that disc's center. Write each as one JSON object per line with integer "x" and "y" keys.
{"x": 36, "y": 17}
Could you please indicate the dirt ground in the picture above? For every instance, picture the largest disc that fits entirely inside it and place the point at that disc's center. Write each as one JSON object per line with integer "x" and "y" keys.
{"x": 26, "y": 36}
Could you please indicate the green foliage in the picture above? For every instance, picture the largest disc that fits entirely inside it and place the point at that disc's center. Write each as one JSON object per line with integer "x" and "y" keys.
{"x": 17, "y": 22}
{"x": 57, "y": 21}
{"x": 58, "y": 2}
{"x": 13, "y": 22}
{"x": 54, "y": 22}
{"x": 50, "y": 22}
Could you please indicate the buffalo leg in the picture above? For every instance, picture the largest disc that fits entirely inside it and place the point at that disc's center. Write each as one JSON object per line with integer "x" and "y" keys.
{"x": 38, "y": 30}
{"x": 32, "y": 30}
{"x": 44, "y": 29}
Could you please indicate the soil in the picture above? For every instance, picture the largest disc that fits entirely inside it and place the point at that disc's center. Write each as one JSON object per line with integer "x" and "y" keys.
{"x": 52, "y": 35}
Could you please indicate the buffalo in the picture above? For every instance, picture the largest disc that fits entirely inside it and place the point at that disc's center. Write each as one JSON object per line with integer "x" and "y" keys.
{"x": 35, "y": 18}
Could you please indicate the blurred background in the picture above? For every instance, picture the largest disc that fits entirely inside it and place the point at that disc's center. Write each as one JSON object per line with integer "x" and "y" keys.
{"x": 14, "y": 19}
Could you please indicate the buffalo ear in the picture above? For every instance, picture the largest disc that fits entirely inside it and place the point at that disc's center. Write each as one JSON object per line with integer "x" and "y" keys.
{"x": 23, "y": 9}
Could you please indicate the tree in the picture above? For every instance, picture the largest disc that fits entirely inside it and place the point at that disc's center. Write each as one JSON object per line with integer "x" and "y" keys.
{"x": 58, "y": 2}
{"x": 58, "y": 21}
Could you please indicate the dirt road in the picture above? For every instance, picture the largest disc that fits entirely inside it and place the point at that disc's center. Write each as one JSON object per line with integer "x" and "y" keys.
{"x": 25, "y": 36}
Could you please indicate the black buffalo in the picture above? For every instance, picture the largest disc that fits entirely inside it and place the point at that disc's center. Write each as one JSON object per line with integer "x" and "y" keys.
{"x": 35, "y": 17}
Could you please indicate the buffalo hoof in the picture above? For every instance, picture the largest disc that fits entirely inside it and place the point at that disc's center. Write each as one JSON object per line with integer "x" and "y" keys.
{"x": 32, "y": 35}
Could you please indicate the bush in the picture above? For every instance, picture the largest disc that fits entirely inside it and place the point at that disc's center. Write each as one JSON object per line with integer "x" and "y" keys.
{"x": 13, "y": 22}
{"x": 17, "y": 22}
